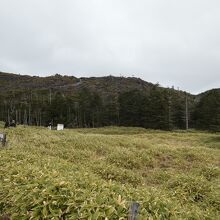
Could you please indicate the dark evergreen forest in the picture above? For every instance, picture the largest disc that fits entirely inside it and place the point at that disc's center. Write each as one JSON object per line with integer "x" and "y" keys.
{"x": 145, "y": 105}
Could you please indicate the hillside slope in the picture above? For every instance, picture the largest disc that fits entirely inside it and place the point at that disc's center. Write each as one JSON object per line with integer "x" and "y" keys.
{"x": 102, "y": 85}
{"x": 104, "y": 101}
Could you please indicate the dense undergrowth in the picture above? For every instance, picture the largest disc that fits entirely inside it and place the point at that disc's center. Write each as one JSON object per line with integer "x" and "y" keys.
{"x": 97, "y": 173}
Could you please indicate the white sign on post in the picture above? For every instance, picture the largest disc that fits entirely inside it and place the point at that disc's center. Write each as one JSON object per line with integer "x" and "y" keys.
{"x": 60, "y": 127}
{"x": 2, "y": 139}
{"x": 2, "y": 136}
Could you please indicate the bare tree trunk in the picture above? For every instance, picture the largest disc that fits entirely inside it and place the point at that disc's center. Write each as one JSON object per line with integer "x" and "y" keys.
{"x": 8, "y": 116}
{"x": 40, "y": 116}
{"x": 29, "y": 117}
{"x": 37, "y": 119}
{"x": 25, "y": 117}
{"x": 19, "y": 115}
{"x": 16, "y": 116}
{"x": 93, "y": 120}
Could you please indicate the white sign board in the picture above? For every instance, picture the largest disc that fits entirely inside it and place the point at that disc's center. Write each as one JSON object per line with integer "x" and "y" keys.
{"x": 2, "y": 139}
{"x": 60, "y": 127}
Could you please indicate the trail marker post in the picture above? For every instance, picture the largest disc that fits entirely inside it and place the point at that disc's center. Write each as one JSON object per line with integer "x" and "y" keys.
{"x": 133, "y": 211}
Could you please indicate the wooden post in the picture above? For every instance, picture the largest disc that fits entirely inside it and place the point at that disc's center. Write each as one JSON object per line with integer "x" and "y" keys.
{"x": 133, "y": 211}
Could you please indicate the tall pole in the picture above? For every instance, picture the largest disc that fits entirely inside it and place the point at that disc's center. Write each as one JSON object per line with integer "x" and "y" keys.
{"x": 169, "y": 113}
{"x": 187, "y": 114}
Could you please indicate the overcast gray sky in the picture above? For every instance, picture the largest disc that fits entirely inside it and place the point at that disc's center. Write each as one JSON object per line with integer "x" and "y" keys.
{"x": 173, "y": 42}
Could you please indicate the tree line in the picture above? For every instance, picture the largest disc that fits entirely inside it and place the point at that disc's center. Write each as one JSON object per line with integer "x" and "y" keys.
{"x": 160, "y": 108}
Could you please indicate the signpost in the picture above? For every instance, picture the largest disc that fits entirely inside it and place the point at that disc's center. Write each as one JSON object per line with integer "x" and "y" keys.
{"x": 133, "y": 211}
{"x": 60, "y": 127}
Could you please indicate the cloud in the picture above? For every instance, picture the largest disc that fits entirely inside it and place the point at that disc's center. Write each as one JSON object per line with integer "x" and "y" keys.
{"x": 170, "y": 42}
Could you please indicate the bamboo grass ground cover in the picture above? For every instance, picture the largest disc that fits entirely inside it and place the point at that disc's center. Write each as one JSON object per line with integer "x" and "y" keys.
{"x": 97, "y": 173}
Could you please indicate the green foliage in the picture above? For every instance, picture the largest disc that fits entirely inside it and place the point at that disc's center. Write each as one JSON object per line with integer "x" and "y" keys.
{"x": 97, "y": 173}
{"x": 96, "y": 102}
{"x": 207, "y": 113}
